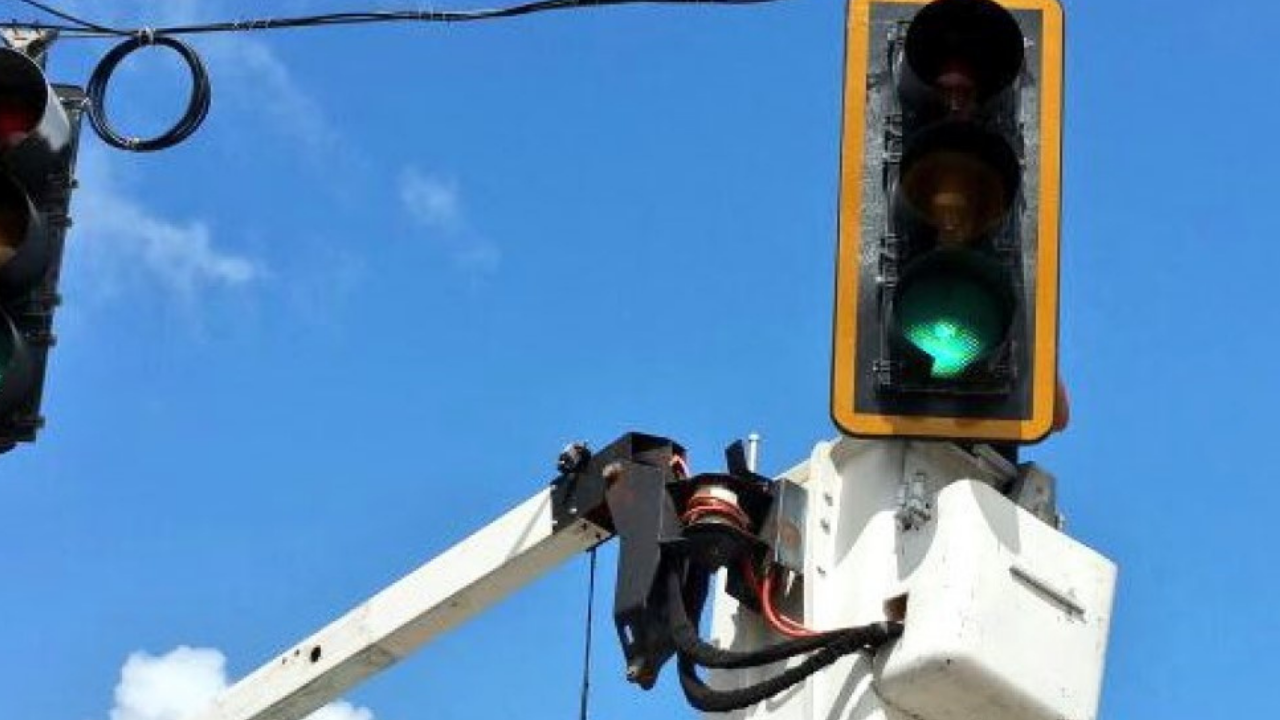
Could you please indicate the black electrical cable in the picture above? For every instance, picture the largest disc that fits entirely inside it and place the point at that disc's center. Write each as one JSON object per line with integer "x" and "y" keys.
{"x": 201, "y": 92}
{"x": 85, "y": 28}
{"x": 197, "y": 103}
{"x": 586, "y": 650}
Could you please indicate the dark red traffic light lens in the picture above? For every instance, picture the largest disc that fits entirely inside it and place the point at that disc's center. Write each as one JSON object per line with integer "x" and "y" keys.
{"x": 966, "y": 50}
{"x": 24, "y": 97}
{"x": 17, "y": 120}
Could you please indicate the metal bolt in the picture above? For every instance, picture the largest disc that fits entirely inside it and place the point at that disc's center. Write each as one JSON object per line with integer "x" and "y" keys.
{"x": 613, "y": 471}
{"x": 638, "y": 673}
{"x": 753, "y": 451}
{"x": 573, "y": 458}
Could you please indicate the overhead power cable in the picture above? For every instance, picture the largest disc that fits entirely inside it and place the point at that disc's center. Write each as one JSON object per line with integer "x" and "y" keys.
{"x": 72, "y": 26}
{"x": 79, "y": 27}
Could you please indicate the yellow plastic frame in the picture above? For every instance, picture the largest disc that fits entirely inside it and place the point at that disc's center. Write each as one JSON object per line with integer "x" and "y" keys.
{"x": 1045, "y": 352}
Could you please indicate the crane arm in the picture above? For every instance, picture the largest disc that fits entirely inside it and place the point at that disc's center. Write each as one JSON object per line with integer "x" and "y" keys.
{"x": 569, "y": 516}
{"x": 474, "y": 574}
{"x": 675, "y": 530}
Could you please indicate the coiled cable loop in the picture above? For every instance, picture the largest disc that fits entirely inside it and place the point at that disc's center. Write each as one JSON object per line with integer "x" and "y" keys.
{"x": 197, "y": 103}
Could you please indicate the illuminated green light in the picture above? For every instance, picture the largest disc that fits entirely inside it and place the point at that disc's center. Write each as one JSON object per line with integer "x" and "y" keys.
{"x": 953, "y": 319}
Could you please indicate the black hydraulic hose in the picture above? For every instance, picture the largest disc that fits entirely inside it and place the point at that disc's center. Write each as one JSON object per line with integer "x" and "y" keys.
{"x": 708, "y": 699}
{"x": 689, "y": 644}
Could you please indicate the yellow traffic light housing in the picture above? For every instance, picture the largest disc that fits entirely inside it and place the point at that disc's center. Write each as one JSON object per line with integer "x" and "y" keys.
{"x": 946, "y": 316}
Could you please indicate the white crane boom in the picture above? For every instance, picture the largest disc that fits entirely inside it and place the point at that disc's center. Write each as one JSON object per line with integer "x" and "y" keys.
{"x": 474, "y": 574}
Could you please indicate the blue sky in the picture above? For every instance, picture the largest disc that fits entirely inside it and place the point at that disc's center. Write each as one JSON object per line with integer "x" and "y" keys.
{"x": 357, "y": 314}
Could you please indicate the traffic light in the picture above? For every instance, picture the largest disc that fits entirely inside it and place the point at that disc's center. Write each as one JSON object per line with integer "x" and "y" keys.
{"x": 39, "y": 128}
{"x": 946, "y": 316}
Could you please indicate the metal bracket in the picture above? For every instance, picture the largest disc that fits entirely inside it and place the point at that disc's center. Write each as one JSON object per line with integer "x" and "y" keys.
{"x": 784, "y": 528}
{"x": 914, "y": 507}
{"x": 33, "y": 43}
{"x": 1036, "y": 491}
{"x": 580, "y": 489}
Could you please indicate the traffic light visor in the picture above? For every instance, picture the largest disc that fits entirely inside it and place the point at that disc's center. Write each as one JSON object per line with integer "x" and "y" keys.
{"x": 15, "y": 365}
{"x": 15, "y": 218}
{"x": 24, "y": 246}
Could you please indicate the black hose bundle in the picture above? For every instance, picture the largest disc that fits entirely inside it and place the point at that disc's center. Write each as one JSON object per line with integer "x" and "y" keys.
{"x": 689, "y": 643}
{"x": 693, "y": 651}
{"x": 708, "y": 699}
{"x": 197, "y": 103}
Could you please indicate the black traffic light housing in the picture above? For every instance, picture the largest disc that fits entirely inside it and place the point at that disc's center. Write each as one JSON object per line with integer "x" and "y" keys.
{"x": 39, "y": 131}
{"x": 947, "y": 269}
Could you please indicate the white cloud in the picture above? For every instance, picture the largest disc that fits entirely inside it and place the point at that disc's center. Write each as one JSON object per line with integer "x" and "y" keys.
{"x": 341, "y": 710}
{"x": 125, "y": 238}
{"x": 170, "y": 686}
{"x": 183, "y": 682}
{"x": 430, "y": 200}
{"x": 435, "y": 203}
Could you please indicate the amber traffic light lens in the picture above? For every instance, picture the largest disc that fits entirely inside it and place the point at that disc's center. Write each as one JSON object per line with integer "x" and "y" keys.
{"x": 959, "y": 180}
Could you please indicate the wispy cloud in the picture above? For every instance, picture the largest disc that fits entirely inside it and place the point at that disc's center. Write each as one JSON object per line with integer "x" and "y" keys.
{"x": 126, "y": 240}
{"x": 183, "y": 682}
{"x": 434, "y": 203}
{"x": 431, "y": 201}
{"x": 258, "y": 81}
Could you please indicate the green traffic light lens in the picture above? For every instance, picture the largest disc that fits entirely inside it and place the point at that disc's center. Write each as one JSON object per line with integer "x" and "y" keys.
{"x": 953, "y": 312}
